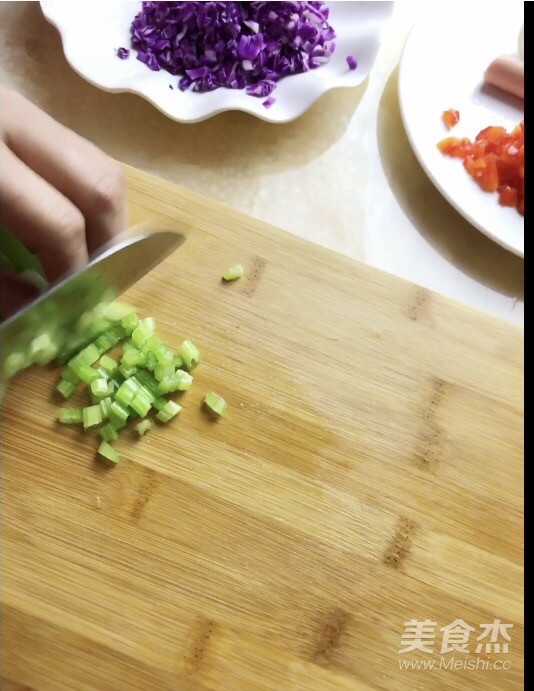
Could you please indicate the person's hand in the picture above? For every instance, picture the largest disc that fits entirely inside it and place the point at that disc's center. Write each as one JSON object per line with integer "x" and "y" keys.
{"x": 59, "y": 194}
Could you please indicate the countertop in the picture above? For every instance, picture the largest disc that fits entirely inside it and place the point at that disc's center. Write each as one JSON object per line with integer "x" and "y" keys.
{"x": 342, "y": 175}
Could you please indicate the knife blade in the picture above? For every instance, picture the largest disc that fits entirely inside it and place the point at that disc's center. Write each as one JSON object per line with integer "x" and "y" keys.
{"x": 107, "y": 274}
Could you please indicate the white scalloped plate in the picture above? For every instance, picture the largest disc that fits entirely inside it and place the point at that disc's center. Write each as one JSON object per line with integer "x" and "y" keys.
{"x": 442, "y": 66}
{"x": 91, "y": 30}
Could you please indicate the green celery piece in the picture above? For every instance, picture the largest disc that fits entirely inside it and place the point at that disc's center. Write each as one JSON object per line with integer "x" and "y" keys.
{"x": 18, "y": 255}
{"x": 87, "y": 374}
{"x": 154, "y": 345}
{"x": 108, "y": 452}
{"x": 88, "y": 356}
{"x": 108, "y": 432}
{"x": 140, "y": 335}
{"x": 127, "y": 372}
{"x": 118, "y": 415}
{"x": 215, "y": 403}
{"x": 147, "y": 380}
{"x": 149, "y": 324}
{"x": 159, "y": 403}
{"x": 144, "y": 426}
{"x": 179, "y": 381}
{"x": 130, "y": 322}
{"x": 141, "y": 404}
{"x": 99, "y": 387}
{"x": 105, "y": 407}
{"x": 109, "y": 339}
{"x": 42, "y": 349}
{"x": 151, "y": 361}
{"x": 189, "y": 354}
{"x": 133, "y": 357}
{"x": 65, "y": 388}
{"x": 185, "y": 380}
{"x": 161, "y": 371}
{"x": 92, "y": 415}
{"x": 14, "y": 363}
{"x": 178, "y": 362}
{"x": 233, "y": 273}
{"x": 109, "y": 365}
{"x": 117, "y": 311}
{"x": 168, "y": 412}
{"x": 68, "y": 375}
{"x": 70, "y": 416}
{"x": 165, "y": 356}
{"x": 127, "y": 392}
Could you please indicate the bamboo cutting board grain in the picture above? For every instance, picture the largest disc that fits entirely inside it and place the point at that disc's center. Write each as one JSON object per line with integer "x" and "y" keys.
{"x": 368, "y": 473}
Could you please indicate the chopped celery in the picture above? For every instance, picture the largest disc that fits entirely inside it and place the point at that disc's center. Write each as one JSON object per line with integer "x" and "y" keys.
{"x": 179, "y": 381}
{"x": 70, "y": 416}
{"x": 151, "y": 361}
{"x": 189, "y": 354}
{"x": 86, "y": 357}
{"x": 130, "y": 322}
{"x": 161, "y": 371}
{"x": 14, "y": 363}
{"x": 108, "y": 452}
{"x": 154, "y": 345}
{"x": 215, "y": 403}
{"x": 144, "y": 426}
{"x": 133, "y": 357}
{"x": 166, "y": 357}
{"x": 141, "y": 334}
{"x": 108, "y": 432}
{"x": 42, "y": 349}
{"x": 168, "y": 411}
{"x": 159, "y": 403}
{"x": 148, "y": 369}
{"x": 185, "y": 380}
{"x": 109, "y": 365}
{"x": 65, "y": 388}
{"x": 105, "y": 407}
{"x": 126, "y": 392}
{"x": 118, "y": 415}
{"x": 127, "y": 372}
{"x": 149, "y": 324}
{"x": 110, "y": 338}
{"x": 141, "y": 404}
{"x": 147, "y": 380}
{"x": 19, "y": 257}
{"x": 234, "y": 272}
{"x": 88, "y": 374}
{"x": 92, "y": 415}
{"x": 100, "y": 387}
{"x": 68, "y": 375}
{"x": 117, "y": 311}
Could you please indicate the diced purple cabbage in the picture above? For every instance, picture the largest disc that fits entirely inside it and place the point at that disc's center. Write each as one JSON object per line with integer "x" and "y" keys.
{"x": 123, "y": 53}
{"x": 237, "y": 45}
{"x": 351, "y": 62}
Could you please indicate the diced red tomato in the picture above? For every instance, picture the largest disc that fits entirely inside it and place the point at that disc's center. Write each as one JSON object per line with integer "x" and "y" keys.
{"x": 451, "y": 118}
{"x": 508, "y": 195}
{"x": 495, "y": 160}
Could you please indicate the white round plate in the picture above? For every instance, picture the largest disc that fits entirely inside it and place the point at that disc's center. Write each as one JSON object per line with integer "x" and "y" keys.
{"x": 91, "y": 31}
{"x": 442, "y": 66}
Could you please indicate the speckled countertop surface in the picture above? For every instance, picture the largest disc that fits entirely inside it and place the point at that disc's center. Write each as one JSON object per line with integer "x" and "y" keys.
{"x": 342, "y": 175}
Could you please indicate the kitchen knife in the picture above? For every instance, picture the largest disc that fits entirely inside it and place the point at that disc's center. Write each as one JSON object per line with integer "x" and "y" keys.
{"x": 108, "y": 274}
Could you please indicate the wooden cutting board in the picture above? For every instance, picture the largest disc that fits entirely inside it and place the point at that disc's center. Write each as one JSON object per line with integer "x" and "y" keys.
{"x": 368, "y": 473}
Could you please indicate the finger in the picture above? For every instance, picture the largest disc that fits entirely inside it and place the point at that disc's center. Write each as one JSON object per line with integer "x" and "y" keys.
{"x": 93, "y": 182}
{"x": 14, "y": 293}
{"x": 41, "y": 217}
